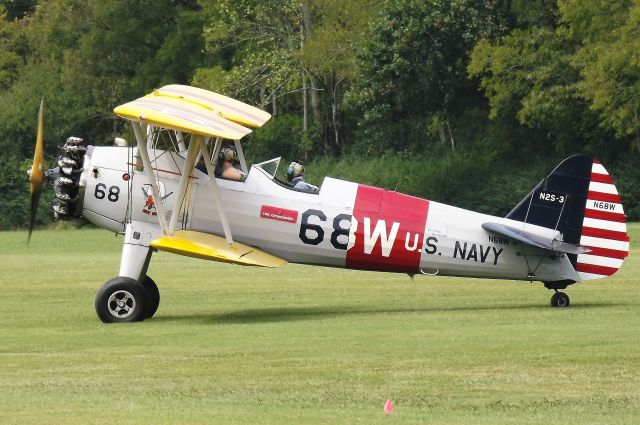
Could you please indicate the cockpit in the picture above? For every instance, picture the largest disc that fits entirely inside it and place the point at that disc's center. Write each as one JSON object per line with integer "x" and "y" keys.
{"x": 226, "y": 156}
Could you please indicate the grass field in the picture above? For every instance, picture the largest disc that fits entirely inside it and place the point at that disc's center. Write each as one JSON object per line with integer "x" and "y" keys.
{"x": 305, "y": 345}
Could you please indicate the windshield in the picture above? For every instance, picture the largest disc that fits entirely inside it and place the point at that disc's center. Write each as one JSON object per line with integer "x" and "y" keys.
{"x": 270, "y": 166}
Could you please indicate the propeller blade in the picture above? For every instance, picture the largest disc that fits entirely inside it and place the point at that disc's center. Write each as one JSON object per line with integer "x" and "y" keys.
{"x": 37, "y": 176}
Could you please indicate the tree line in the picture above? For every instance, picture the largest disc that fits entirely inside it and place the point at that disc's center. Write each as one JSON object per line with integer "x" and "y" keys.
{"x": 460, "y": 101}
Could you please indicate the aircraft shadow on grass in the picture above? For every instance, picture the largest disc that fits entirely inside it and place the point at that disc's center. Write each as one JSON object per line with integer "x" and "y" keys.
{"x": 292, "y": 314}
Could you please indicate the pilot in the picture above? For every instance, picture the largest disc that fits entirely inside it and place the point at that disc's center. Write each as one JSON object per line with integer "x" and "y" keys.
{"x": 228, "y": 171}
{"x": 295, "y": 176}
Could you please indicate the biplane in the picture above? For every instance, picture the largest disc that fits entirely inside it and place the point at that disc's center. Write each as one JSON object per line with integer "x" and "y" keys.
{"x": 165, "y": 194}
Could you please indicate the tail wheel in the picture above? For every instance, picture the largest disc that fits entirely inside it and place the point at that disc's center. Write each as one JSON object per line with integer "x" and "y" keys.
{"x": 121, "y": 300}
{"x": 560, "y": 299}
{"x": 153, "y": 296}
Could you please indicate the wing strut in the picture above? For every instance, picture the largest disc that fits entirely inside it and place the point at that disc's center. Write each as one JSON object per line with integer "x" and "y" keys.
{"x": 243, "y": 162}
{"x": 214, "y": 188}
{"x": 151, "y": 180}
{"x": 189, "y": 164}
{"x": 196, "y": 146}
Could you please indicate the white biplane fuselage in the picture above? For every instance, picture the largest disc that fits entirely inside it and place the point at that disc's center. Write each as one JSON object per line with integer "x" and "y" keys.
{"x": 391, "y": 231}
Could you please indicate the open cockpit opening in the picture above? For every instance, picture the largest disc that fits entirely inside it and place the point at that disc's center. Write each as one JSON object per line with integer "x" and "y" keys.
{"x": 270, "y": 168}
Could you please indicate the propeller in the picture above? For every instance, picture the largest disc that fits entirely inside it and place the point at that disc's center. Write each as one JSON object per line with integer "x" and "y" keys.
{"x": 37, "y": 173}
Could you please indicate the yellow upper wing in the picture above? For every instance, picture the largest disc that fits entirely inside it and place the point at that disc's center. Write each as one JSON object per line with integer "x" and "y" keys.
{"x": 229, "y": 108}
{"x": 179, "y": 115}
{"x": 194, "y": 110}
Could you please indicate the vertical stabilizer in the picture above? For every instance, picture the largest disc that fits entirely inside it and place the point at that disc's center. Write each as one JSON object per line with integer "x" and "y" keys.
{"x": 580, "y": 200}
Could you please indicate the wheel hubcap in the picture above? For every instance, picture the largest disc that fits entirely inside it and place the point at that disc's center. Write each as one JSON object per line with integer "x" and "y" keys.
{"x": 121, "y": 304}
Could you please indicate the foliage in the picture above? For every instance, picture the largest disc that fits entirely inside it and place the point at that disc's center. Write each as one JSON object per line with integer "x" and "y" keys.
{"x": 260, "y": 40}
{"x": 329, "y": 56}
{"x": 282, "y": 136}
{"x": 338, "y": 33}
{"x": 17, "y": 9}
{"x": 414, "y": 68}
{"x": 14, "y": 196}
{"x": 609, "y": 63}
{"x": 626, "y": 175}
{"x": 444, "y": 99}
{"x": 83, "y": 58}
{"x": 574, "y": 75}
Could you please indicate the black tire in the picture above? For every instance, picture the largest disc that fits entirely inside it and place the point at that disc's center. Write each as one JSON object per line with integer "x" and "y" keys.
{"x": 560, "y": 299}
{"x": 153, "y": 296}
{"x": 121, "y": 300}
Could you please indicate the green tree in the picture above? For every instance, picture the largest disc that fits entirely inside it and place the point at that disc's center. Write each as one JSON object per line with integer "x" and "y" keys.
{"x": 568, "y": 71}
{"x": 328, "y": 55}
{"x": 259, "y": 44}
{"x": 414, "y": 70}
{"x": 85, "y": 58}
{"x": 17, "y": 9}
{"x": 608, "y": 61}
{"x": 11, "y": 48}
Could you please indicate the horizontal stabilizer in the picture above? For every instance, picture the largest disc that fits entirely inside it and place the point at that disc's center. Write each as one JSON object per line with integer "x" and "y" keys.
{"x": 215, "y": 248}
{"x": 533, "y": 239}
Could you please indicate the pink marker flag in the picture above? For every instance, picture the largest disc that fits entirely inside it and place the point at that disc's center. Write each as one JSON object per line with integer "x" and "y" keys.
{"x": 388, "y": 407}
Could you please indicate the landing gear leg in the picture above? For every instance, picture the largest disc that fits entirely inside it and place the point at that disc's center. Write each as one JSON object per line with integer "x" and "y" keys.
{"x": 132, "y": 296}
{"x": 560, "y": 299}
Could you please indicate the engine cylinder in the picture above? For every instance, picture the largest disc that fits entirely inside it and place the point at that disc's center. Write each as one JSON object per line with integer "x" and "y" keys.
{"x": 65, "y": 179}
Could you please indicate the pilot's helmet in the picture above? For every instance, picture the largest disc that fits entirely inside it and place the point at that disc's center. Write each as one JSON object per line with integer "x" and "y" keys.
{"x": 227, "y": 153}
{"x": 295, "y": 169}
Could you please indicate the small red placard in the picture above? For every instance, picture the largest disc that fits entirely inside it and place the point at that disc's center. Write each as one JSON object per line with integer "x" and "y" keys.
{"x": 280, "y": 214}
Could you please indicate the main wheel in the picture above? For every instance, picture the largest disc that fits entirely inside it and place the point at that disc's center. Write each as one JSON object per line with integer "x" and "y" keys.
{"x": 121, "y": 299}
{"x": 153, "y": 296}
{"x": 560, "y": 299}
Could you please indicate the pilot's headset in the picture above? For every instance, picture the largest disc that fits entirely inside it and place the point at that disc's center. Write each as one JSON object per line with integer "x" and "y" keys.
{"x": 226, "y": 154}
{"x": 296, "y": 168}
